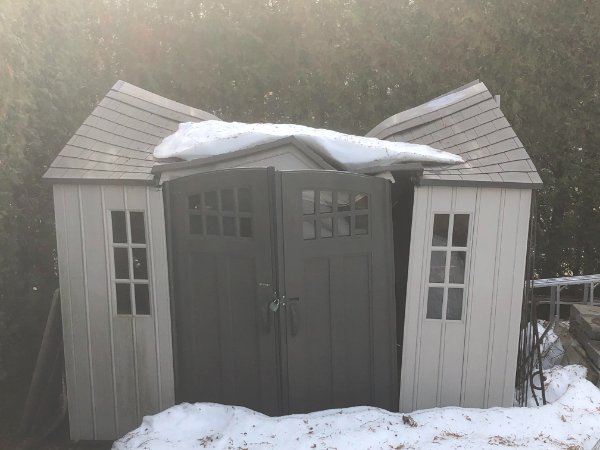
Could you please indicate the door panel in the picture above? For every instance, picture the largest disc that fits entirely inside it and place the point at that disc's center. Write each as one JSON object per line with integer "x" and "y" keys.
{"x": 340, "y": 311}
{"x": 223, "y": 284}
{"x": 327, "y": 247}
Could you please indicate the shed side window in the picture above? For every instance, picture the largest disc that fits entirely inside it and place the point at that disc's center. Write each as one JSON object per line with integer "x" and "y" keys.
{"x": 447, "y": 266}
{"x": 130, "y": 263}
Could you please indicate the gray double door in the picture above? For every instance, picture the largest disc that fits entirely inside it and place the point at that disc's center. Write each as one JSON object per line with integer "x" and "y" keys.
{"x": 283, "y": 290}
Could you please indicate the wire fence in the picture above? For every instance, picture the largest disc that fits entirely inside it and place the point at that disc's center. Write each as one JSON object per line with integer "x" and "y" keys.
{"x": 534, "y": 345}
{"x": 530, "y": 372}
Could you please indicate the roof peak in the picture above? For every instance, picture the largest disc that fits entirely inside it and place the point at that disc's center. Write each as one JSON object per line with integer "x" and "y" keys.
{"x": 430, "y": 110}
{"x": 142, "y": 94}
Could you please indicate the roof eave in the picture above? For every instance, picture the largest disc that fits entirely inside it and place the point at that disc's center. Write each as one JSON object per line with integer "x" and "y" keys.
{"x": 99, "y": 181}
{"x": 470, "y": 183}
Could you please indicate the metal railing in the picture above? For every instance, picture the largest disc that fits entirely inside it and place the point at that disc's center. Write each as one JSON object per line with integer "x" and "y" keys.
{"x": 557, "y": 285}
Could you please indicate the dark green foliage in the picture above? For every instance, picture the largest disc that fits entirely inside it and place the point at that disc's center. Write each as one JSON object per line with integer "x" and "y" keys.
{"x": 340, "y": 64}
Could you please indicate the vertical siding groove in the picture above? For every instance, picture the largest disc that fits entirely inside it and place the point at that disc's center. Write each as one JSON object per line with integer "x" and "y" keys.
{"x": 371, "y": 333}
{"x": 74, "y": 416}
{"x": 442, "y": 352}
{"x": 87, "y": 309}
{"x": 497, "y": 267}
{"x": 467, "y": 289}
{"x": 154, "y": 297}
{"x": 420, "y": 298}
{"x": 133, "y": 318}
{"x": 469, "y": 293}
{"x": 520, "y": 230}
{"x": 107, "y": 238}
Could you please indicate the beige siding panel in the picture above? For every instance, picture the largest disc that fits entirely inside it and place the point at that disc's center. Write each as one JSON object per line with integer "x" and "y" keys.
{"x": 118, "y": 368}
{"x": 431, "y": 339}
{"x": 412, "y": 324}
{"x": 429, "y": 365}
{"x": 470, "y": 362}
{"x": 61, "y": 221}
{"x": 81, "y": 389}
{"x": 97, "y": 295}
{"x": 146, "y": 364}
{"x": 503, "y": 287}
{"x": 125, "y": 374}
{"x": 453, "y": 343}
{"x": 451, "y": 363}
{"x": 147, "y": 345}
{"x": 123, "y": 334}
{"x": 514, "y": 319}
{"x": 481, "y": 298}
{"x": 160, "y": 297}
{"x": 282, "y": 161}
{"x": 135, "y": 197}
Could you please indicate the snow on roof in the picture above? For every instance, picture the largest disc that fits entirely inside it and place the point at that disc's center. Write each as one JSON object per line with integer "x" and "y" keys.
{"x": 570, "y": 421}
{"x": 353, "y": 153}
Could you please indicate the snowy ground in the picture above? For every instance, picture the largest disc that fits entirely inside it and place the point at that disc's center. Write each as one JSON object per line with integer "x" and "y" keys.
{"x": 571, "y": 422}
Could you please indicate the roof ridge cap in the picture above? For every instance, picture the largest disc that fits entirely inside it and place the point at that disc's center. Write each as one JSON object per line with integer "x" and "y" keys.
{"x": 436, "y": 104}
{"x": 143, "y": 94}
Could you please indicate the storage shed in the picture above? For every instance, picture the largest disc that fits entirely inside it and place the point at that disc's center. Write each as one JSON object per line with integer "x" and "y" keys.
{"x": 271, "y": 279}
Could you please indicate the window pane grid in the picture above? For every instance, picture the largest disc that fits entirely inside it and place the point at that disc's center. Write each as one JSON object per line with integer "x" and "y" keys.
{"x": 224, "y": 213}
{"x": 449, "y": 256}
{"x": 130, "y": 257}
{"x": 328, "y": 213}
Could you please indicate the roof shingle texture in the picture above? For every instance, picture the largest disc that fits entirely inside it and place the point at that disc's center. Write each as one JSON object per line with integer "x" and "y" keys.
{"x": 469, "y": 123}
{"x": 117, "y": 140}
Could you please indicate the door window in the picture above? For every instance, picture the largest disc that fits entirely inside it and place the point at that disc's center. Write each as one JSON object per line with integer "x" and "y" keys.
{"x": 223, "y": 212}
{"x": 331, "y": 214}
{"x": 447, "y": 266}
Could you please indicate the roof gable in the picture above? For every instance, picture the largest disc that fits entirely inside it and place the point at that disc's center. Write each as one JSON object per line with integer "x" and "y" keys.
{"x": 115, "y": 143}
{"x": 253, "y": 153}
{"x": 467, "y": 122}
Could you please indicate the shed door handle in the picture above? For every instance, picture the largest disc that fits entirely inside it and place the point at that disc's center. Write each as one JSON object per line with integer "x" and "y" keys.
{"x": 294, "y": 314}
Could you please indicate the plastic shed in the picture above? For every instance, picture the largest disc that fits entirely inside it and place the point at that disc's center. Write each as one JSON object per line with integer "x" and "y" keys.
{"x": 271, "y": 279}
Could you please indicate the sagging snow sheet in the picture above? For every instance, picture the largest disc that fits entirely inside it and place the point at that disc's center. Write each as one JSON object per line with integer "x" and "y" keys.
{"x": 352, "y": 153}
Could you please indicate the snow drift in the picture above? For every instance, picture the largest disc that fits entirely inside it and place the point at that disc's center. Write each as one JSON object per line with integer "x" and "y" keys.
{"x": 353, "y": 153}
{"x": 572, "y": 421}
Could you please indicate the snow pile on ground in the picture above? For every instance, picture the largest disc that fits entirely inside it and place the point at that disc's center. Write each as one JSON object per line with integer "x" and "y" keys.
{"x": 571, "y": 422}
{"x": 215, "y": 137}
{"x": 552, "y": 349}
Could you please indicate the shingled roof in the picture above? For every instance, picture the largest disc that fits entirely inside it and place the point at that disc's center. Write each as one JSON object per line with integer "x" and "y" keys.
{"x": 115, "y": 143}
{"x": 468, "y": 122}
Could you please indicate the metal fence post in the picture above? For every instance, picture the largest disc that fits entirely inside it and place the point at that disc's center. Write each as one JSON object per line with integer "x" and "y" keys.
{"x": 558, "y": 289}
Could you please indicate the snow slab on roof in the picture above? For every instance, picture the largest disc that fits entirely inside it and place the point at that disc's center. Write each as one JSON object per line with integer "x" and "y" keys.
{"x": 572, "y": 421}
{"x": 353, "y": 153}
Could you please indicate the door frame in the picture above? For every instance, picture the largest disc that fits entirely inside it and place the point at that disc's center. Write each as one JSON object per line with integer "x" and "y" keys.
{"x": 276, "y": 209}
